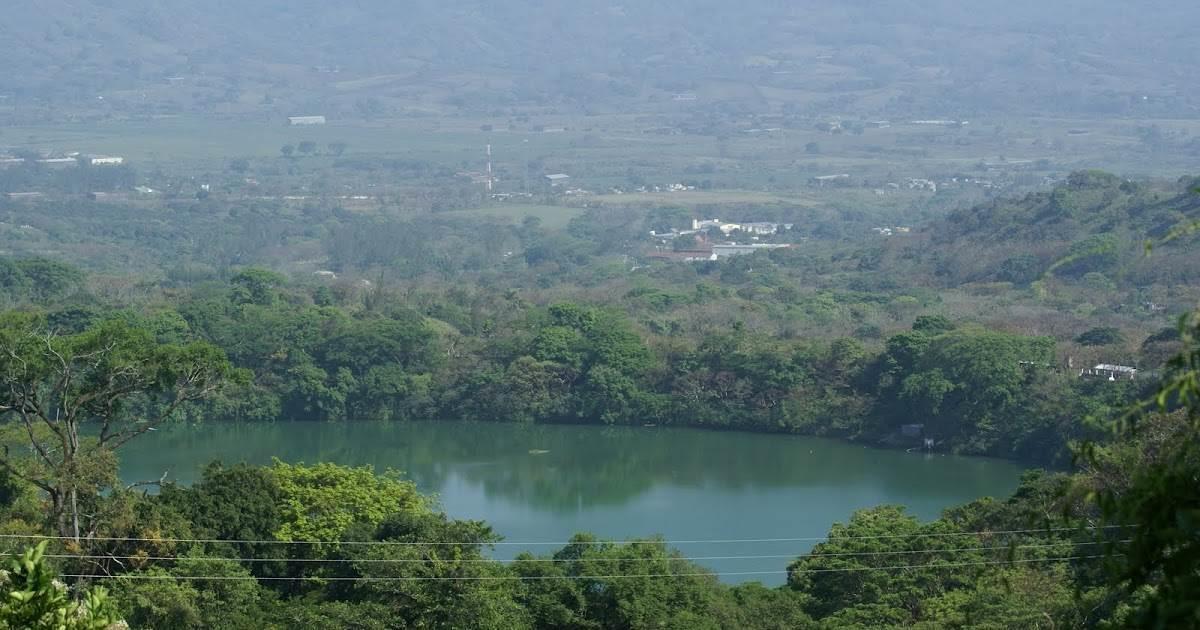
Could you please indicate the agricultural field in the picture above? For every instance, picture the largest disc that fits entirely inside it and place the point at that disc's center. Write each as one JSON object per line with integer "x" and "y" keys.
{"x": 551, "y": 217}
{"x": 600, "y": 148}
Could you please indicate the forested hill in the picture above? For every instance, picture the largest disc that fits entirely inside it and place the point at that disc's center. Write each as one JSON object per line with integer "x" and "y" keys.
{"x": 1089, "y": 202}
{"x": 1090, "y": 231}
{"x": 933, "y": 57}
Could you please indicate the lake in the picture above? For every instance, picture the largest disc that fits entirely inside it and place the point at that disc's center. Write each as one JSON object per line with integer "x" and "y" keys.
{"x": 541, "y": 484}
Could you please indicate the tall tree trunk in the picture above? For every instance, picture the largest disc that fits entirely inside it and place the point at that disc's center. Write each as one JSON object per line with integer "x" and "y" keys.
{"x": 75, "y": 513}
{"x": 68, "y": 504}
{"x": 59, "y": 512}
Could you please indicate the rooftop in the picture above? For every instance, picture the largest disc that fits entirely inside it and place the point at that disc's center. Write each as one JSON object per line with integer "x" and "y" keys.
{"x": 1115, "y": 368}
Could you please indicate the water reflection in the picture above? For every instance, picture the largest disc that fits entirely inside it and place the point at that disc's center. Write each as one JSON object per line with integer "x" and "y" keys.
{"x": 564, "y": 468}
{"x": 543, "y": 483}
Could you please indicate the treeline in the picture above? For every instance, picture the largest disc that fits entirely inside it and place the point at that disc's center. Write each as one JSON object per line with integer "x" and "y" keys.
{"x": 320, "y": 354}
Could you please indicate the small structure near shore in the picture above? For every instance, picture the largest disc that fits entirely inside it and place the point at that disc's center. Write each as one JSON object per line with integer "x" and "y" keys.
{"x": 1110, "y": 372}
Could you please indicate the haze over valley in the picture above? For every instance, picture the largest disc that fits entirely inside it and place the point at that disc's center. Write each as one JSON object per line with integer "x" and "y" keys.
{"x": 684, "y": 314}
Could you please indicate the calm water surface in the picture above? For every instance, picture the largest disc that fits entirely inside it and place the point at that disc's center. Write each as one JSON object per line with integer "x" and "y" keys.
{"x": 538, "y": 484}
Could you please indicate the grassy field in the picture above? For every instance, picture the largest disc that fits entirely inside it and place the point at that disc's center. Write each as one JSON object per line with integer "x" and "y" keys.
{"x": 699, "y": 198}
{"x": 188, "y": 139}
{"x": 553, "y": 217}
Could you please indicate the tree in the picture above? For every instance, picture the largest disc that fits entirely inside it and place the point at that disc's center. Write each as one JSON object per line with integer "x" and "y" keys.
{"x": 114, "y": 376}
{"x": 287, "y": 150}
{"x": 590, "y": 584}
{"x": 227, "y": 599}
{"x": 34, "y": 600}
{"x": 322, "y": 502}
{"x": 1018, "y": 597}
{"x": 13, "y": 280}
{"x": 337, "y": 148}
{"x": 932, "y": 324}
{"x": 443, "y": 581}
{"x": 1105, "y": 336}
{"x": 238, "y": 502}
{"x": 49, "y": 279}
{"x": 256, "y": 286}
{"x": 307, "y": 147}
{"x": 1161, "y": 498}
{"x": 968, "y": 385}
{"x": 665, "y": 219}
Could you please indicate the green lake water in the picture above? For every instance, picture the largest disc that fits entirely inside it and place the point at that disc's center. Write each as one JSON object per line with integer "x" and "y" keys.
{"x": 541, "y": 484}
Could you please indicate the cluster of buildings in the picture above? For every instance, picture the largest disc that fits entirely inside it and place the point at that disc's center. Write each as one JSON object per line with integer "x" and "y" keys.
{"x": 891, "y": 231}
{"x": 704, "y": 249}
{"x": 673, "y": 188}
{"x": 917, "y": 183}
{"x": 703, "y": 227}
{"x": 759, "y": 228}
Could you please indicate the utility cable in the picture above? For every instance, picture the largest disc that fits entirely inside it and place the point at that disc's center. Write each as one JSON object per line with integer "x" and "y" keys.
{"x": 561, "y": 544}
{"x": 841, "y": 554}
{"x": 525, "y": 578}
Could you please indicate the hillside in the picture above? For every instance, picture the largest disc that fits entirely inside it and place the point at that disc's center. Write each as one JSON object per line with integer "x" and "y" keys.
{"x": 939, "y": 59}
{"x": 1089, "y": 232}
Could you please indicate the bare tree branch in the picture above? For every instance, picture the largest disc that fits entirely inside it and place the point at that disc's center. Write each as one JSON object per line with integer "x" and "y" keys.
{"x": 12, "y": 470}
{"x": 139, "y": 484}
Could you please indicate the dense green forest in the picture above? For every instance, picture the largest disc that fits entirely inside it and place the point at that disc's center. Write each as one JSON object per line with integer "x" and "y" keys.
{"x": 975, "y": 391}
{"x": 299, "y": 546}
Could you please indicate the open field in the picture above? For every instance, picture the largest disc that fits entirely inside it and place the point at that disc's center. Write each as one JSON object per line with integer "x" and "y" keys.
{"x": 699, "y": 198}
{"x": 606, "y": 147}
{"x": 553, "y": 217}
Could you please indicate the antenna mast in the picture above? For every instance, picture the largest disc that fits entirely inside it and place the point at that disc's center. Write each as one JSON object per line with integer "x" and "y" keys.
{"x": 489, "y": 168}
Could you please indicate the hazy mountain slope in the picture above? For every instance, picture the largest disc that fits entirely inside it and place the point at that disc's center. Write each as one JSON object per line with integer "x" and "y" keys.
{"x": 1092, "y": 229}
{"x": 923, "y": 56}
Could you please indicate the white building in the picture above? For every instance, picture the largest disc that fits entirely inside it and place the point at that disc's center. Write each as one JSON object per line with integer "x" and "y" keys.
{"x": 765, "y": 229}
{"x": 758, "y": 228}
{"x": 557, "y": 179}
{"x": 704, "y": 224}
{"x": 297, "y": 121}
{"x": 1110, "y": 372}
{"x": 103, "y": 160}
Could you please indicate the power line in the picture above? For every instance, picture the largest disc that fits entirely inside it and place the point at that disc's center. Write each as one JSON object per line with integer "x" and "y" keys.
{"x": 562, "y": 544}
{"x": 485, "y": 578}
{"x": 841, "y": 554}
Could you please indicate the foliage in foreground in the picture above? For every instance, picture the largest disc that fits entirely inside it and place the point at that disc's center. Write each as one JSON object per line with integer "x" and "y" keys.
{"x": 35, "y": 600}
